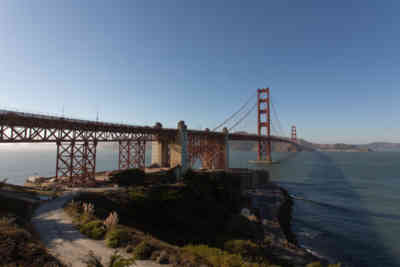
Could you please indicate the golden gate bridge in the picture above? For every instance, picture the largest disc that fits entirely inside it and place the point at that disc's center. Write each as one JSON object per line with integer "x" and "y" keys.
{"x": 77, "y": 140}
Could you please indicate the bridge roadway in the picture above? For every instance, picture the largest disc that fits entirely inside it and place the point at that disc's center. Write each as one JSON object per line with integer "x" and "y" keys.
{"x": 20, "y": 127}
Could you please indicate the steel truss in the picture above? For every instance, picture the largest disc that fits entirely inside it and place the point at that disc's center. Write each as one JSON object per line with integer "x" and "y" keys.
{"x": 77, "y": 161}
{"x": 210, "y": 150}
{"x": 132, "y": 154}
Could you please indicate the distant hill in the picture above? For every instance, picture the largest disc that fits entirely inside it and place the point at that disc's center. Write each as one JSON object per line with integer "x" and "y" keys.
{"x": 382, "y": 146}
{"x": 281, "y": 147}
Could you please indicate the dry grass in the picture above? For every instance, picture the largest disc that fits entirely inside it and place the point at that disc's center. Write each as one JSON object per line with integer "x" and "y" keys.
{"x": 18, "y": 243}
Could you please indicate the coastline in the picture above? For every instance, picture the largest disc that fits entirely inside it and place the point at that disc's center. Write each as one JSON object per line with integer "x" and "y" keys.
{"x": 273, "y": 206}
{"x": 285, "y": 216}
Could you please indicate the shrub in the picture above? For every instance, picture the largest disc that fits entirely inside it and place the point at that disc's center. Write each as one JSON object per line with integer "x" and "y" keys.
{"x": 130, "y": 177}
{"x": 137, "y": 194}
{"x": 143, "y": 251}
{"x": 117, "y": 260}
{"x": 216, "y": 256}
{"x": 318, "y": 264}
{"x": 245, "y": 248}
{"x": 117, "y": 237}
{"x": 112, "y": 220}
{"x": 88, "y": 208}
{"x": 85, "y": 218}
{"x": 93, "y": 229}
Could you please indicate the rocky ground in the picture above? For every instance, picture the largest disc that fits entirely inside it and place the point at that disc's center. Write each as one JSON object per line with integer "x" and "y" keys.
{"x": 271, "y": 205}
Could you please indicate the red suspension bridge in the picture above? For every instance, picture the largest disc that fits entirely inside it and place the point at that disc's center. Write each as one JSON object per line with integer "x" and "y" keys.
{"x": 77, "y": 140}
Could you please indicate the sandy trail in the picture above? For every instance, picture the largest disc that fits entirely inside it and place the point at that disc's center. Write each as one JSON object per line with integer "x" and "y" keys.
{"x": 64, "y": 241}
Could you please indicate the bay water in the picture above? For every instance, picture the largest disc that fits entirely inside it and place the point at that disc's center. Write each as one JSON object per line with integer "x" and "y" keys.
{"x": 346, "y": 207}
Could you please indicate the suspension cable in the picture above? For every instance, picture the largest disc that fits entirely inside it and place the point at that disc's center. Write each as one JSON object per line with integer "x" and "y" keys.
{"x": 244, "y": 117}
{"x": 234, "y": 114}
{"x": 273, "y": 129}
{"x": 278, "y": 120}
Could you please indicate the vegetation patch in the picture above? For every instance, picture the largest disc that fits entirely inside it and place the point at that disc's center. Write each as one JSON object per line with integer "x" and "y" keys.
{"x": 18, "y": 244}
{"x": 318, "y": 264}
{"x": 130, "y": 177}
{"x": 221, "y": 258}
{"x": 192, "y": 223}
{"x": 117, "y": 237}
{"x": 143, "y": 251}
{"x": 94, "y": 229}
{"x": 116, "y": 260}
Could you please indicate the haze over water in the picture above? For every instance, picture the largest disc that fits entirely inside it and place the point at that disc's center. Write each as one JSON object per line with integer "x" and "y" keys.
{"x": 349, "y": 210}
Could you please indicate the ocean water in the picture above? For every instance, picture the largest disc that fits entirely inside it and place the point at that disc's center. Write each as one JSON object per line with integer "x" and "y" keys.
{"x": 347, "y": 205}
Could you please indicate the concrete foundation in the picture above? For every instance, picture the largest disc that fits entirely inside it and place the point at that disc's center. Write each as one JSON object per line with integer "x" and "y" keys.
{"x": 159, "y": 153}
{"x": 179, "y": 149}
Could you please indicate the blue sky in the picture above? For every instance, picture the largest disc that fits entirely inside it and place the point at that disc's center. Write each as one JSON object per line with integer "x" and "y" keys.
{"x": 333, "y": 66}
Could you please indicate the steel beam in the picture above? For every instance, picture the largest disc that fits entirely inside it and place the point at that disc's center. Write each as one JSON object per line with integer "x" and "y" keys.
{"x": 132, "y": 154}
{"x": 76, "y": 162}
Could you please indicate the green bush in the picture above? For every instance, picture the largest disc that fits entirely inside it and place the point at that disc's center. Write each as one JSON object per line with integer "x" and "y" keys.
{"x": 221, "y": 258}
{"x": 85, "y": 218}
{"x": 93, "y": 229}
{"x": 318, "y": 264}
{"x": 143, "y": 251}
{"x": 116, "y": 260}
{"x": 216, "y": 256}
{"x": 314, "y": 264}
{"x": 136, "y": 194}
{"x": 130, "y": 177}
{"x": 244, "y": 248}
{"x": 117, "y": 237}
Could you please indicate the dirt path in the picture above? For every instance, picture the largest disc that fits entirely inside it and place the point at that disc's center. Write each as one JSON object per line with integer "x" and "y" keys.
{"x": 64, "y": 241}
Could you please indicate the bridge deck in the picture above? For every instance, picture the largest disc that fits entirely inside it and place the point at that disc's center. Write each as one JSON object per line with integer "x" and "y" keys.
{"x": 20, "y": 127}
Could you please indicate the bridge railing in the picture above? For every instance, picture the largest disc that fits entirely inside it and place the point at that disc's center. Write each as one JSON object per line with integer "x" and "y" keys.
{"x": 53, "y": 116}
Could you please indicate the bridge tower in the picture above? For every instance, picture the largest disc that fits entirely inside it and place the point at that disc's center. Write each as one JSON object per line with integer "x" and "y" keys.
{"x": 294, "y": 134}
{"x": 264, "y": 121}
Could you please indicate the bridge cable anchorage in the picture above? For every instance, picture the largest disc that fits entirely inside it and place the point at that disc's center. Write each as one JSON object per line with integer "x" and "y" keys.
{"x": 234, "y": 114}
{"x": 244, "y": 117}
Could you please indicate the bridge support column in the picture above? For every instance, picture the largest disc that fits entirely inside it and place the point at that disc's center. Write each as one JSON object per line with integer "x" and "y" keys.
{"x": 132, "y": 154}
{"x": 77, "y": 161}
{"x": 160, "y": 150}
{"x": 160, "y": 153}
{"x": 264, "y": 121}
{"x": 179, "y": 149}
